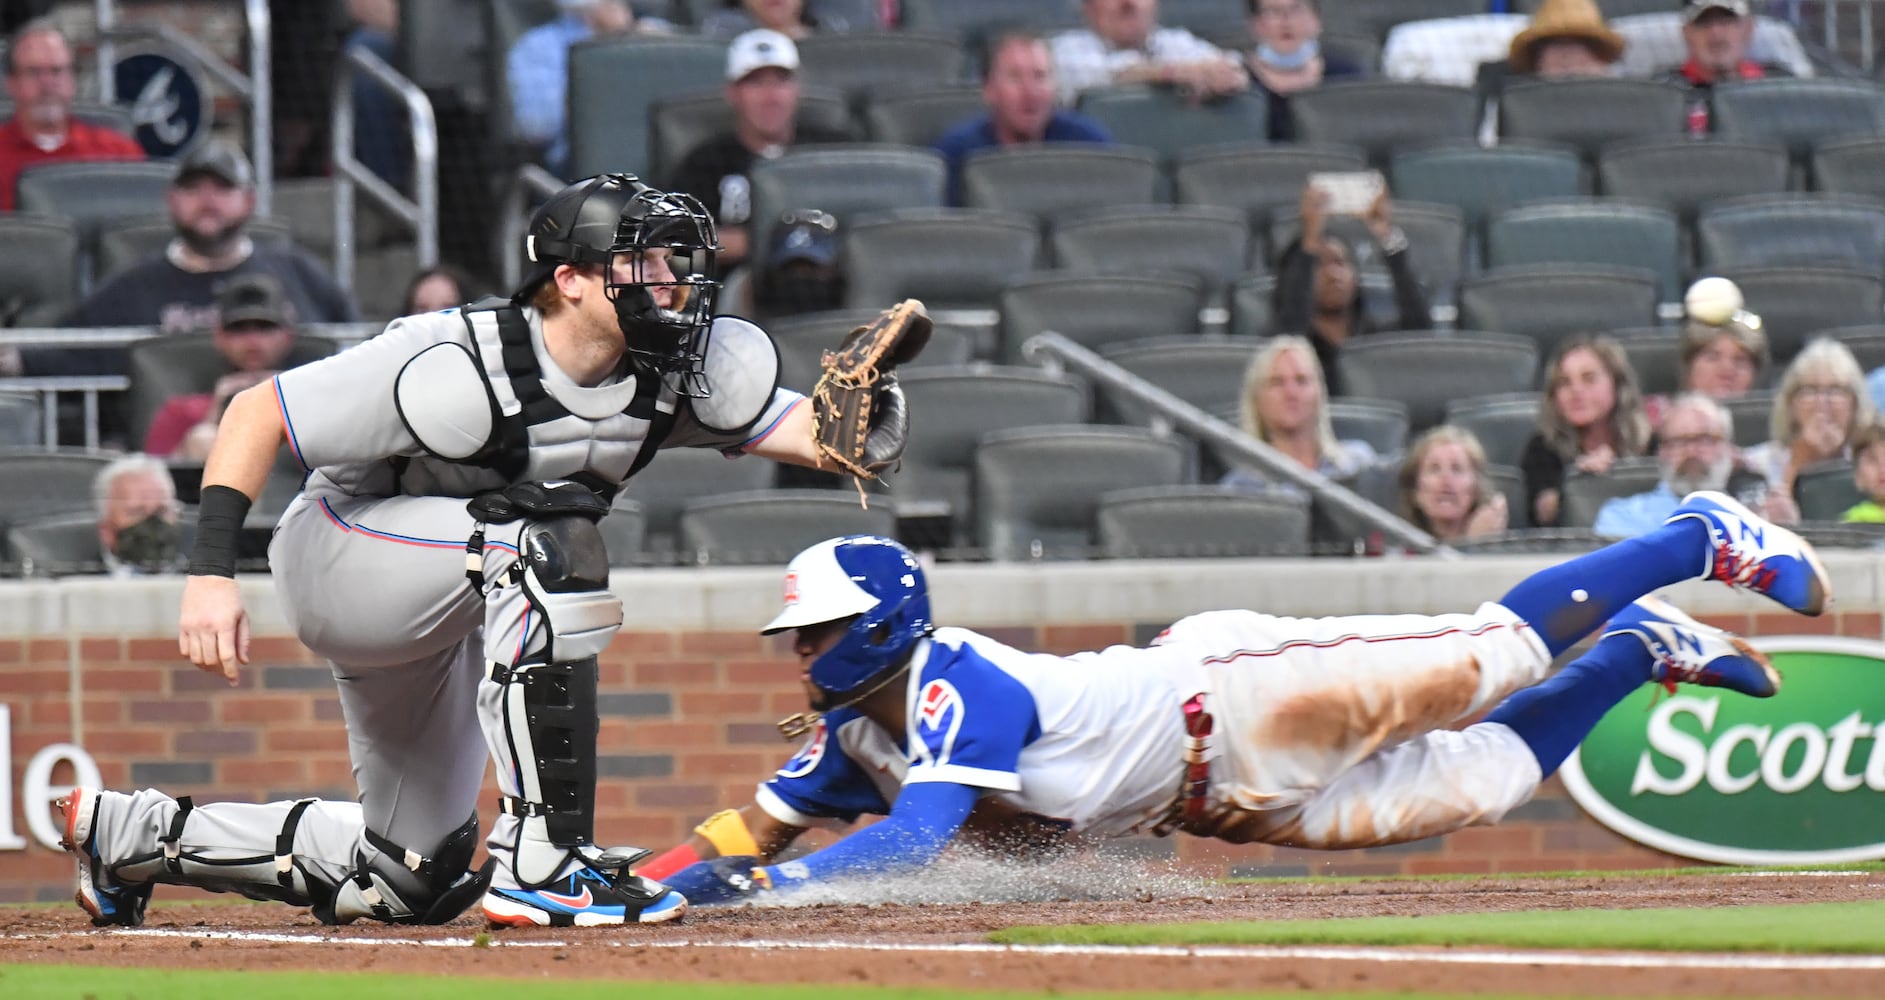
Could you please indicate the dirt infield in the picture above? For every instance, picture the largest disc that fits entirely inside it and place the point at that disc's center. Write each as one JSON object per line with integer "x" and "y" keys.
{"x": 944, "y": 944}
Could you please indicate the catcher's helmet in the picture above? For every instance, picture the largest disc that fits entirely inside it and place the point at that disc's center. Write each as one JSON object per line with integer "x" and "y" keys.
{"x": 872, "y": 578}
{"x": 595, "y": 219}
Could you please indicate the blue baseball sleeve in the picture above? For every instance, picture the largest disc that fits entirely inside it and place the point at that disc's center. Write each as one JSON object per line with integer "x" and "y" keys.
{"x": 921, "y": 823}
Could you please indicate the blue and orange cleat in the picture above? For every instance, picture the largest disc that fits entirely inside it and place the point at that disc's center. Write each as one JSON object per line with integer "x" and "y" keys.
{"x": 109, "y": 904}
{"x": 585, "y": 898}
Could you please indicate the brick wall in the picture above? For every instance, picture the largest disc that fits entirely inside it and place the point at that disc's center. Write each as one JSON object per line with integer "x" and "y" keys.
{"x": 687, "y": 728}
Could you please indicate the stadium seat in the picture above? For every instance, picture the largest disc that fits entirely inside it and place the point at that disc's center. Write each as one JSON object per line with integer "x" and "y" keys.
{"x": 1436, "y": 240}
{"x": 1374, "y": 18}
{"x": 1826, "y": 490}
{"x": 1205, "y": 18}
{"x": 380, "y": 278}
{"x": 1584, "y": 493}
{"x": 94, "y": 194}
{"x": 846, "y": 181}
{"x": 959, "y": 406}
{"x": 973, "y": 20}
{"x": 1059, "y": 178}
{"x": 1425, "y": 371}
{"x": 1655, "y": 355}
{"x": 1534, "y": 541}
{"x": 769, "y": 527}
{"x": 1380, "y": 422}
{"x": 1095, "y": 309}
{"x": 1684, "y": 175}
{"x": 20, "y": 420}
{"x": 676, "y": 125}
{"x": 1037, "y": 488}
{"x": 39, "y": 261}
{"x": 1753, "y": 416}
{"x": 1190, "y": 522}
{"x": 1207, "y": 372}
{"x": 1589, "y": 114}
{"x": 951, "y": 258}
{"x": 123, "y": 244}
{"x": 1781, "y": 230}
{"x": 1867, "y": 343}
{"x": 1483, "y": 182}
{"x": 1159, "y": 119}
{"x": 1547, "y": 302}
{"x": 920, "y": 117}
{"x": 1256, "y": 179}
{"x": 1381, "y": 116}
{"x": 614, "y": 82}
{"x": 860, "y": 64}
{"x": 35, "y": 483}
{"x": 1509, "y": 482}
{"x": 803, "y": 339}
{"x": 1850, "y": 166}
{"x": 1799, "y": 113}
{"x": 682, "y": 476}
{"x": 624, "y": 532}
{"x": 1211, "y": 244}
{"x": 1590, "y": 231}
{"x": 1253, "y": 306}
{"x": 1795, "y": 302}
{"x": 306, "y": 206}
{"x": 67, "y": 543}
{"x": 181, "y": 364}
{"x": 1503, "y": 423}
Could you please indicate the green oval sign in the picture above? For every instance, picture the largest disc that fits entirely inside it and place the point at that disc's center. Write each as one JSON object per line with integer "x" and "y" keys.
{"x": 1794, "y": 779}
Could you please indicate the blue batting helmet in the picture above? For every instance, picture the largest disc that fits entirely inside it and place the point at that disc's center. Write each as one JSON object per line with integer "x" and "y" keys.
{"x": 867, "y": 576}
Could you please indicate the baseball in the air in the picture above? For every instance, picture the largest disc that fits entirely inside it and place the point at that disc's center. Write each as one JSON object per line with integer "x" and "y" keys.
{"x": 1713, "y": 301}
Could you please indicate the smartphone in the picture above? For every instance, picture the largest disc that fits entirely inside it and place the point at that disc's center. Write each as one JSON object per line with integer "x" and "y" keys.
{"x": 1351, "y": 192}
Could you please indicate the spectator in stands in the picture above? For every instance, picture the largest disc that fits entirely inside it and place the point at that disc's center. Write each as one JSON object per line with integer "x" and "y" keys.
{"x": 1123, "y": 43}
{"x": 1565, "y": 40}
{"x": 441, "y": 286}
{"x": 210, "y": 203}
{"x": 42, "y": 86}
{"x": 1445, "y": 490}
{"x": 1286, "y": 406}
{"x": 1694, "y": 451}
{"x": 802, "y": 272}
{"x": 763, "y": 88}
{"x": 381, "y": 137}
{"x": 1018, "y": 86}
{"x": 1721, "y": 362}
{"x": 1318, "y": 283}
{"x": 787, "y": 17}
{"x": 1717, "y": 34}
{"x": 1868, "y": 473}
{"x": 1590, "y": 415}
{"x": 1820, "y": 406}
{"x": 137, "y": 517}
{"x": 255, "y": 331}
{"x": 1287, "y": 56}
{"x": 537, "y": 68}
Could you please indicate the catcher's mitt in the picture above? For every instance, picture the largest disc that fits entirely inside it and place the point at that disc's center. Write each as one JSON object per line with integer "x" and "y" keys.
{"x": 858, "y": 415}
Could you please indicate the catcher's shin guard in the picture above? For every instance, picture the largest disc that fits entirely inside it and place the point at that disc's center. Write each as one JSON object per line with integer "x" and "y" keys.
{"x": 546, "y": 703}
{"x": 398, "y": 885}
{"x": 184, "y": 857}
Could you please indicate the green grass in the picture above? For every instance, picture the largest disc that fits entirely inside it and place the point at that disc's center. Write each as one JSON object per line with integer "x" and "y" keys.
{"x": 1609, "y": 873}
{"x": 58, "y": 982}
{"x": 1845, "y": 928}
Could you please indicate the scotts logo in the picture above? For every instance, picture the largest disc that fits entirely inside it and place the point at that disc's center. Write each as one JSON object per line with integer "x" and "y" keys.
{"x": 1794, "y": 779}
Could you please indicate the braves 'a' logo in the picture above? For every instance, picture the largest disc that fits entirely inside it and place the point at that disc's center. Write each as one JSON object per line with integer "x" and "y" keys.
{"x": 806, "y": 760}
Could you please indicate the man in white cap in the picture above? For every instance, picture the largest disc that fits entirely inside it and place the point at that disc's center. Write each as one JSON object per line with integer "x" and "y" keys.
{"x": 762, "y": 86}
{"x": 537, "y": 69}
{"x": 1718, "y": 34}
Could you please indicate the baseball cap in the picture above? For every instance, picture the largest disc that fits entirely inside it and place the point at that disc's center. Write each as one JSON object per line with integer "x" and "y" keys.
{"x": 1693, "y": 9}
{"x": 218, "y": 159}
{"x": 759, "y": 49}
{"x": 807, "y": 235}
{"x": 254, "y": 298}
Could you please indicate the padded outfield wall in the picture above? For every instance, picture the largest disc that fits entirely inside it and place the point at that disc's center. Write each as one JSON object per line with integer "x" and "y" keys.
{"x": 690, "y": 694}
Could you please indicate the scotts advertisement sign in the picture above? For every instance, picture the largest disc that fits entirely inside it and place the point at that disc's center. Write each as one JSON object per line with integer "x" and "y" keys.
{"x": 1716, "y": 776}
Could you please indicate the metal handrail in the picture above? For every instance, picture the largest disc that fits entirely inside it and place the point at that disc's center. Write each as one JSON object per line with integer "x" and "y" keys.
{"x": 421, "y": 211}
{"x": 253, "y": 87}
{"x": 1051, "y": 348}
{"x": 48, "y": 388}
{"x": 119, "y": 336}
{"x": 513, "y": 217}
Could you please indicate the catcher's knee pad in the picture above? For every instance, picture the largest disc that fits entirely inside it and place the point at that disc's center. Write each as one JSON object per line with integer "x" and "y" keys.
{"x": 399, "y": 885}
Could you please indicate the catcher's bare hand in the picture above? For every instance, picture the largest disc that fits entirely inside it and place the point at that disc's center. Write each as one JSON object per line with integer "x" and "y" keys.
{"x": 213, "y": 628}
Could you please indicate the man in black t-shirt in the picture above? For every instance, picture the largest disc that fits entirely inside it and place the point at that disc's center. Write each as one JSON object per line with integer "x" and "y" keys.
{"x": 763, "y": 90}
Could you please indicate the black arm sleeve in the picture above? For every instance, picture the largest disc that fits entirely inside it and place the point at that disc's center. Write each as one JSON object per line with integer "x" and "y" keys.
{"x": 1542, "y": 469}
{"x": 1410, "y": 298}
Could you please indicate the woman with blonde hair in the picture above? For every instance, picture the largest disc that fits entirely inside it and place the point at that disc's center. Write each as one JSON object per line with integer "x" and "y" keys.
{"x": 1286, "y": 406}
{"x": 1445, "y": 489}
{"x": 1820, "y": 405}
{"x": 1590, "y": 415}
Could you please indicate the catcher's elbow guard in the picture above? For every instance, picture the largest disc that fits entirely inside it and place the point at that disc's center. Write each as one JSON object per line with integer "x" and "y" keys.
{"x": 726, "y": 831}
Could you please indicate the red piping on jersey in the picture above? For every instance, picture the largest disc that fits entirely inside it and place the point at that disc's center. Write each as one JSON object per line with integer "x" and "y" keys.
{"x": 762, "y": 435}
{"x": 1357, "y": 637}
{"x": 427, "y": 543}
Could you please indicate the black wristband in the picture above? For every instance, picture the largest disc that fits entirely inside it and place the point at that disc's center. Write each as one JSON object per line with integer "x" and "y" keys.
{"x": 219, "y": 515}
